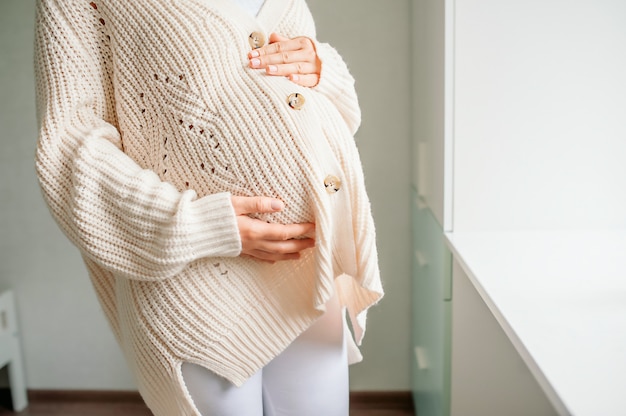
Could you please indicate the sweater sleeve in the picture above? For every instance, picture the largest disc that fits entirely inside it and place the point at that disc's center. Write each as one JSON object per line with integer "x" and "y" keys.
{"x": 336, "y": 82}
{"x": 120, "y": 215}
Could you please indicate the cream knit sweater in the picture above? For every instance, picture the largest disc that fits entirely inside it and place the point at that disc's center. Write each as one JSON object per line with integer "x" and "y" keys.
{"x": 150, "y": 119}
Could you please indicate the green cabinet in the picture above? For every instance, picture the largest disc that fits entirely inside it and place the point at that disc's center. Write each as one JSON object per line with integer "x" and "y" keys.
{"x": 432, "y": 276}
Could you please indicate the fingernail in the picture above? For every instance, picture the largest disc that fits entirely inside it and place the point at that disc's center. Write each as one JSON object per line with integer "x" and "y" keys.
{"x": 277, "y": 205}
{"x": 272, "y": 68}
{"x": 255, "y": 62}
{"x": 295, "y": 77}
{"x": 254, "y": 53}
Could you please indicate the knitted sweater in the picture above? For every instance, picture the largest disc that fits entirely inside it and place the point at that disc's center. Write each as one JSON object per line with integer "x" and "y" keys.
{"x": 150, "y": 119}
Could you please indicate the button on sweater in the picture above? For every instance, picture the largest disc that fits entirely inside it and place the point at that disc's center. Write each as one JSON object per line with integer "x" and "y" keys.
{"x": 150, "y": 119}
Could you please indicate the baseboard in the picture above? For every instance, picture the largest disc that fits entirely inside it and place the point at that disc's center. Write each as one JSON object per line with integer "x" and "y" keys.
{"x": 104, "y": 396}
{"x": 375, "y": 400}
{"x": 383, "y": 400}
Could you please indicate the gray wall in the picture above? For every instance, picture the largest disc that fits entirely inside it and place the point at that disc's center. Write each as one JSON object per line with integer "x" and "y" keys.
{"x": 65, "y": 339}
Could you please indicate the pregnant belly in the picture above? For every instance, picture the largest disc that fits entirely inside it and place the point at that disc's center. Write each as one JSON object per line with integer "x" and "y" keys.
{"x": 260, "y": 158}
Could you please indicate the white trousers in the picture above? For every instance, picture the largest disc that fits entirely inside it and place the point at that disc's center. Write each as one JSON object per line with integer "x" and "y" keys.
{"x": 309, "y": 378}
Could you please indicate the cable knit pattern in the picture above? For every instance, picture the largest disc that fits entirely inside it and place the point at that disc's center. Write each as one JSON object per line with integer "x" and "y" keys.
{"x": 150, "y": 120}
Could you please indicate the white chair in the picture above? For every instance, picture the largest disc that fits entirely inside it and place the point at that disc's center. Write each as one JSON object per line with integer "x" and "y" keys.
{"x": 10, "y": 350}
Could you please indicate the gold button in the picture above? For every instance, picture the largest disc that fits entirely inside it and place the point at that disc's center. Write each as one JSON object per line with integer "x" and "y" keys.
{"x": 256, "y": 39}
{"x": 295, "y": 100}
{"x": 332, "y": 184}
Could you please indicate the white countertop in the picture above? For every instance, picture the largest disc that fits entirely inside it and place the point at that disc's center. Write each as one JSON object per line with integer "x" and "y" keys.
{"x": 560, "y": 296}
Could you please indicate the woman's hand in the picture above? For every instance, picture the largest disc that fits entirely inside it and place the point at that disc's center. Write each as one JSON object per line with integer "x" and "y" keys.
{"x": 294, "y": 58}
{"x": 269, "y": 242}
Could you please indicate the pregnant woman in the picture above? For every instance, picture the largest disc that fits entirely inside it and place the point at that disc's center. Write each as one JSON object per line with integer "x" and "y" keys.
{"x": 200, "y": 155}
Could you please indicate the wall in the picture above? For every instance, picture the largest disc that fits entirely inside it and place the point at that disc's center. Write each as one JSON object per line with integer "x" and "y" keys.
{"x": 431, "y": 106}
{"x": 66, "y": 341}
{"x": 539, "y": 128}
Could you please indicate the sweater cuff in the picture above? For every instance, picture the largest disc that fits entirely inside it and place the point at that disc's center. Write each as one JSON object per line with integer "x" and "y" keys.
{"x": 212, "y": 227}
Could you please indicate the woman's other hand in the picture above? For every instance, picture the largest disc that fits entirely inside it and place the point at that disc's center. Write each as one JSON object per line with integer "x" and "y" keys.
{"x": 269, "y": 242}
{"x": 294, "y": 58}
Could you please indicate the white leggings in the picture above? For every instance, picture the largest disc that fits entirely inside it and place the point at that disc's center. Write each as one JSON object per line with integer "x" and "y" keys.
{"x": 309, "y": 378}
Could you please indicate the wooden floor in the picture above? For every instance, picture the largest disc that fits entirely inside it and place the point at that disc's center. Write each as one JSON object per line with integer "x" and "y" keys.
{"x": 46, "y": 403}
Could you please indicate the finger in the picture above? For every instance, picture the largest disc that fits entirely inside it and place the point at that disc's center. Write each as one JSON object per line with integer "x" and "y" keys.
{"x": 277, "y": 37}
{"x": 290, "y": 232}
{"x": 293, "y": 57}
{"x": 256, "y": 230}
{"x": 256, "y": 204}
{"x": 306, "y": 80}
{"x": 287, "y": 45}
{"x": 294, "y": 68}
{"x": 281, "y": 247}
{"x": 277, "y": 47}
